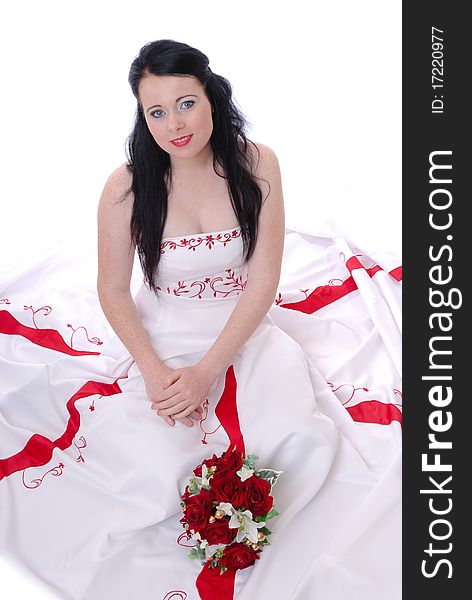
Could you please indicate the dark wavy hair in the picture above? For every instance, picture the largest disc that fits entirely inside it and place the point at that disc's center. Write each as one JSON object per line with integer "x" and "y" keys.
{"x": 150, "y": 165}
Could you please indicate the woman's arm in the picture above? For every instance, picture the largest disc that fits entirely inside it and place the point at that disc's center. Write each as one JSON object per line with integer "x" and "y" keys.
{"x": 263, "y": 271}
{"x": 115, "y": 265}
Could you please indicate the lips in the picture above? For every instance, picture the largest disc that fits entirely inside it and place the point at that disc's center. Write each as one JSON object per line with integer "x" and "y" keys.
{"x": 182, "y": 141}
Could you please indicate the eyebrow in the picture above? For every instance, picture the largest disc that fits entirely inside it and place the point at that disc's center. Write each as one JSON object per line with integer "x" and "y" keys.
{"x": 178, "y": 99}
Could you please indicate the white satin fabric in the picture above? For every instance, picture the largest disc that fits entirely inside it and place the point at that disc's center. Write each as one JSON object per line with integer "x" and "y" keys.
{"x": 100, "y": 519}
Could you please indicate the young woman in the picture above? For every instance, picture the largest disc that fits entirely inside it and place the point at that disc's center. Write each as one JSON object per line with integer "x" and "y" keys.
{"x": 243, "y": 335}
{"x": 192, "y": 171}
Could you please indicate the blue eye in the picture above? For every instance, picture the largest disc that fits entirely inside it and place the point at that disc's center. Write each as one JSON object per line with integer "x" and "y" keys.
{"x": 156, "y": 111}
{"x": 191, "y": 102}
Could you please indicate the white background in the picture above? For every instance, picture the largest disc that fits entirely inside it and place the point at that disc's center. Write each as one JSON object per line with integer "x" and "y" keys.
{"x": 321, "y": 87}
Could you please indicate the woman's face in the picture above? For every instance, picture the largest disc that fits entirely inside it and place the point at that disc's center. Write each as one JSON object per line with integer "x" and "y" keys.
{"x": 177, "y": 107}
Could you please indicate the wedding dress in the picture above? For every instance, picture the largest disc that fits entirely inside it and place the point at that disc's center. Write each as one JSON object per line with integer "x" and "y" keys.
{"x": 91, "y": 477}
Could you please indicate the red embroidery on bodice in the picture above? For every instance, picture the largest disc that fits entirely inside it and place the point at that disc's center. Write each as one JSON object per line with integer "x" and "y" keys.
{"x": 229, "y": 281}
{"x": 209, "y": 239}
{"x": 220, "y": 286}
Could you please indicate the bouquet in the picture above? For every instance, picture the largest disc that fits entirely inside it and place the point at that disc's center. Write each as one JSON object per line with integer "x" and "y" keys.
{"x": 226, "y": 506}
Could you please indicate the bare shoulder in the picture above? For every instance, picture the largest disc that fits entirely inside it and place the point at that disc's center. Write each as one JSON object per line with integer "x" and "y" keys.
{"x": 117, "y": 189}
{"x": 266, "y": 169}
{"x": 264, "y": 159}
{"x": 115, "y": 245}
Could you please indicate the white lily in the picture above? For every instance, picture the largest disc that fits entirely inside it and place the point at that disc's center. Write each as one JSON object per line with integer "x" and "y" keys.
{"x": 226, "y": 507}
{"x": 245, "y": 525}
{"x": 244, "y": 473}
{"x": 205, "y": 478}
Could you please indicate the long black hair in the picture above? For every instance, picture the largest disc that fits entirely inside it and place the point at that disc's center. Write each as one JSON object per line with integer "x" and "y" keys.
{"x": 150, "y": 165}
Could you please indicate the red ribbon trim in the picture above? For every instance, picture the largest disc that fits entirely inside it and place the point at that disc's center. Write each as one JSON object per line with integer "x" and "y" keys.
{"x": 326, "y": 294}
{"x": 39, "y": 449}
{"x": 397, "y": 273}
{"x": 373, "y": 411}
{"x": 47, "y": 338}
{"x": 211, "y": 585}
{"x": 227, "y": 412}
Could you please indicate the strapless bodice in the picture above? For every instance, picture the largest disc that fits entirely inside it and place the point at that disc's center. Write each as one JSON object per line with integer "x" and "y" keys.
{"x": 203, "y": 265}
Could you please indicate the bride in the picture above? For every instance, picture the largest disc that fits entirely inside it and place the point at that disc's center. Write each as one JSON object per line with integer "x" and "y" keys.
{"x": 192, "y": 171}
{"x": 242, "y": 335}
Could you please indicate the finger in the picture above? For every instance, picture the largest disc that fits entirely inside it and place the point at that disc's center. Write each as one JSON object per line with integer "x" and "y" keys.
{"x": 166, "y": 402}
{"x": 183, "y": 413}
{"x": 188, "y": 422}
{"x": 164, "y": 394}
{"x": 169, "y": 420}
{"x": 175, "y": 409}
{"x": 168, "y": 399}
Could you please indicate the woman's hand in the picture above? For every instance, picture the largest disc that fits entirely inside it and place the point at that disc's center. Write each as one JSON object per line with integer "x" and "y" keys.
{"x": 184, "y": 392}
{"x": 155, "y": 385}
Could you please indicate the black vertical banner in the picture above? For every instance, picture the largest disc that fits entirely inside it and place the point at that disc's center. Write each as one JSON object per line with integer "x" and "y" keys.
{"x": 437, "y": 352}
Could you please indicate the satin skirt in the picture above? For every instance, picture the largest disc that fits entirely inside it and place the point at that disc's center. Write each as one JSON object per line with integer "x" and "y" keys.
{"x": 91, "y": 477}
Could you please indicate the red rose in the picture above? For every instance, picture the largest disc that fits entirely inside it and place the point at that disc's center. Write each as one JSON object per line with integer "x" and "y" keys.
{"x": 230, "y": 461}
{"x": 209, "y": 462}
{"x": 218, "y": 532}
{"x": 239, "y": 556}
{"x": 257, "y": 492}
{"x": 198, "y": 510}
{"x": 213, "y": 461}
{"x": 227, "y": 487}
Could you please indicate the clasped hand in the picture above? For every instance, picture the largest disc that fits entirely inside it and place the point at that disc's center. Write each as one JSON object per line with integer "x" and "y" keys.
{"x": 182, "y": 394}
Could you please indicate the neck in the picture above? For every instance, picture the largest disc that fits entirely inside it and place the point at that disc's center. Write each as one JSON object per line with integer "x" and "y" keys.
{"x": 192, "y": 166}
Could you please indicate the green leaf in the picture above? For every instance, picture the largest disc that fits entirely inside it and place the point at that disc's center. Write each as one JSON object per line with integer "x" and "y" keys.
{"x": 194, "y": 486}
{"x": 269, "y": 475}
{"x": 270, "y": 515}
{"x": 265, "y": 530}
{"x": 214, "y": 562}
{"x": 264, "y": 542}
{"x": 197, "y": 552}
{"x": 250, "y": 461}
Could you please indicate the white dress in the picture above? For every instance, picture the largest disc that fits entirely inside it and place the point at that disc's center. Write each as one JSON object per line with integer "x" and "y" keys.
{"x": 91, "y": 477}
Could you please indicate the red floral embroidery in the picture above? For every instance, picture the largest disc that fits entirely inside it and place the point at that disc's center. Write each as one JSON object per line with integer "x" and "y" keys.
{"x": 187, "y": 537}
{"x": 95, "y": 340}
{"x": 209, "y": 240}
{"x": 35, "y": 483}
{"x": 204, "y": 418}
{"x": 83, "y": 441}
{"x": 218, "y": 286}
{"x": 352, "y": 389}
{"x": 45, "y": 309}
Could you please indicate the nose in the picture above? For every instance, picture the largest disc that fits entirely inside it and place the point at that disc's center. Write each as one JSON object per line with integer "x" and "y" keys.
{"x": 175, "y": 122}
